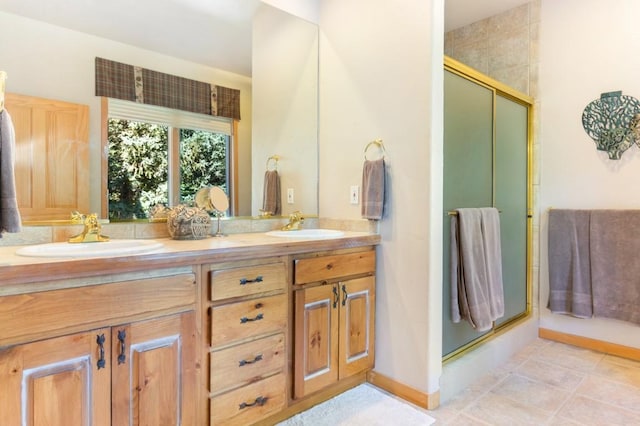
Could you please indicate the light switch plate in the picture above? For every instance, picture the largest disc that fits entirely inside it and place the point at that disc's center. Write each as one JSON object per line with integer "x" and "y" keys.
{"x": 290, "y": 195}
{"x": 354, "y": 194}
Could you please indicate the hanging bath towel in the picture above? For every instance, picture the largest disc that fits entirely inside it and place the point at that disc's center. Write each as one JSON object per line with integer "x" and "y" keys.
{"x": 373, "y": 183}
{"x": 477, "y": 293}
{"x": 9, "y": 213}
{"x": 271, "y": 193}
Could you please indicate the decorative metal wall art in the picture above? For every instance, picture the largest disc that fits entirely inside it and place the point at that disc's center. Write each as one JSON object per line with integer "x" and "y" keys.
{"x": 613, "y": 122}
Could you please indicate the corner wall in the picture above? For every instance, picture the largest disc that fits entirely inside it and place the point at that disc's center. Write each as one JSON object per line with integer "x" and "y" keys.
{"x": 381, "y": 78}
{"x": 587, "y": 47}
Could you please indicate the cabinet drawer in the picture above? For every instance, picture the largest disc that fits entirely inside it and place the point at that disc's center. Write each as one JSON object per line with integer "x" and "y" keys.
{"x": 245, "y": 281}
{"x": 31, "y": 316}
{"x": 325, "y": 268}
{"x": 241, "y": 320}
{"x": 249, "y": 404}
{"x": 242, "y": 364}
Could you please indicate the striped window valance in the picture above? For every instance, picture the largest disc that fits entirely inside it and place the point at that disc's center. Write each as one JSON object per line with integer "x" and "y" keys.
{"x": 121, "y": 81}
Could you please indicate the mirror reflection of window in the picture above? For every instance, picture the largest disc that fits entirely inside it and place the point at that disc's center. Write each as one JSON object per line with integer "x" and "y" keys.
{"x": 162, "y": 160}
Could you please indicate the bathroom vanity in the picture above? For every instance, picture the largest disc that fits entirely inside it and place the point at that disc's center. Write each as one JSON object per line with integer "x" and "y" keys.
{"x": 245, "y": 329}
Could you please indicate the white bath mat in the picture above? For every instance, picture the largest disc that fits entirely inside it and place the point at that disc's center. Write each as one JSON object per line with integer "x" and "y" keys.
{"x": 363, "y": 405}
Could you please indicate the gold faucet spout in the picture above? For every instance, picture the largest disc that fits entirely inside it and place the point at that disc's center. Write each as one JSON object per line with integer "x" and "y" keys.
{"x": 295, "y": 220}
{"x": 92, "y": 232}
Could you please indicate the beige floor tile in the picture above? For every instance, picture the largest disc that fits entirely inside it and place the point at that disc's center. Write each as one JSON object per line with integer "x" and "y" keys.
{"x": 498, "y": 411}
{"x": 587, "y": 412}
{"x": 575, "y": 358}
{"x": 620, "y": 373}
{"x": 465, "y": 420}
{"x": 621, "y": 361}
{"x": 551, "y": 374}
{"x": 532, "y": 393}
{"x": 614, "y": 393}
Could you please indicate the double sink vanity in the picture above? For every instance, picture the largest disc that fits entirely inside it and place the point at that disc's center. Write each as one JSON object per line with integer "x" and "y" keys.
{"x": 250, "y": 328}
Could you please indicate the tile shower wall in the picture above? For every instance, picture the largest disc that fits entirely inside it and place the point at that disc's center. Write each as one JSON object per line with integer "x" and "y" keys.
{"x": 505, "y": 47}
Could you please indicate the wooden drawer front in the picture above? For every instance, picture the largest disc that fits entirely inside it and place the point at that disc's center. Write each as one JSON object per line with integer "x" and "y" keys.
{"x": 237, "y": 282}
{"x": 241, "y": 320}
{"x": 329, "y": 267}
{"x": 26, "y": 317}
{"x": 243, "y": 364}
{"x": 249, "y": 404}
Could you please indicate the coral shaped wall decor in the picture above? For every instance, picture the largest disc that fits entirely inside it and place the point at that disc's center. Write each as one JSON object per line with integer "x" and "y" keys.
{"x": 613, "y": 122}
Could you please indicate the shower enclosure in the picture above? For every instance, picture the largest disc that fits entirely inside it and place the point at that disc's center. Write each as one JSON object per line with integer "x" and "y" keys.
{"x": 487, "y": 152}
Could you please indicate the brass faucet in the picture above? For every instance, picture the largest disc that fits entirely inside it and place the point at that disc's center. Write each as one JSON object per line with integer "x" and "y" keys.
{"x": 295, "y": 220}
{"x": 91, "y": 232}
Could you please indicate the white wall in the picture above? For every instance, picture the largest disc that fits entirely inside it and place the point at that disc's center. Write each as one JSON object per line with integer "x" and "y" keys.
{"x": 52, "y": 62}
{"x": 587, "y": 47}
{"x": 285, "y": 107}
{"x": 381, "y": 77}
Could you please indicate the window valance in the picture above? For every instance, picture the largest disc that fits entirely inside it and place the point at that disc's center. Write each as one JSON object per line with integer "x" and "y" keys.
{"x": 121, "y": 81}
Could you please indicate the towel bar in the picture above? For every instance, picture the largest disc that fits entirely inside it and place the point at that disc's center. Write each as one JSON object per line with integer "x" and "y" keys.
{"x": 275, "y": 159}
{"x": 455, "y": 213}
{"x": 379, "y": 144}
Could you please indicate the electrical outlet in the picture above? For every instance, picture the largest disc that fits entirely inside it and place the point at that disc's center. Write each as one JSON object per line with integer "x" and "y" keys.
{"x": 354, "y": 195}
{"x": 290, "y": 195}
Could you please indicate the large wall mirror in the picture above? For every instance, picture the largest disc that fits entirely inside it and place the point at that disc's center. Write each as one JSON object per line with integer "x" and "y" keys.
{"x": 268, "y": 54}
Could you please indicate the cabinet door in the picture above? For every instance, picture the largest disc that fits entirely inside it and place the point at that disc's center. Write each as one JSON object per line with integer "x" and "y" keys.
{"x": 316, "y": 334}
{"x": 154, "y": 375}
{"x": 357, "y": 307}
{"x": 57, "y": 382}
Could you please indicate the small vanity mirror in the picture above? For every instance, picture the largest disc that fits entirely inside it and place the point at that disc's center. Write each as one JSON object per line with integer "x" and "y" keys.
{"x": 220, "y": 202}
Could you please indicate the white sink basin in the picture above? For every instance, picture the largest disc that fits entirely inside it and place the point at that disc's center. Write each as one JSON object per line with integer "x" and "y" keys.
{"x": 101, "y": 249}
{"x": 307, "y": 233}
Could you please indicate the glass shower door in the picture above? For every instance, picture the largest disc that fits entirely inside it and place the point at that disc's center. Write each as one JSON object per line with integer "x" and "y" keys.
{"x": 486, "y": 164}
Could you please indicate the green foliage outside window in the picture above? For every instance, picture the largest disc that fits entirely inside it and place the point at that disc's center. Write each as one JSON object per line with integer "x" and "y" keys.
{"x": 138, "y": 166}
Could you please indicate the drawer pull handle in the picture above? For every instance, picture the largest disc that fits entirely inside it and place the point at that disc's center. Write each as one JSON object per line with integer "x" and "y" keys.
{"x": 336, "y": 297}
{"x": 260, "y": 401}
{"x": 257, "y": 318}
{"x": 122, "y": 357}
{"x": 257, "y": 279}
{"x": 251, "y": 361}
{"x": 344, "y": 294}
{"x": 101, "y": 361}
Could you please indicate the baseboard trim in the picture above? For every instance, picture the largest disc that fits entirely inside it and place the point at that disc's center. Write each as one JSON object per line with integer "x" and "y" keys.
{"x": 414, "y": 396}
{"x": 588, "y": 343}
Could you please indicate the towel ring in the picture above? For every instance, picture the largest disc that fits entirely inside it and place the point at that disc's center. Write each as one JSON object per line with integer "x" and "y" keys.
{"x": 379, "y": 144}
{"x": 275, "y": 159}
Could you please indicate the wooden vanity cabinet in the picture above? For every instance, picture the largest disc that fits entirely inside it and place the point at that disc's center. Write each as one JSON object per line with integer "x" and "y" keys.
{"x": 248, "y": 306}
{"x": 334, "y": 310}
{"x": 135, "y": 373}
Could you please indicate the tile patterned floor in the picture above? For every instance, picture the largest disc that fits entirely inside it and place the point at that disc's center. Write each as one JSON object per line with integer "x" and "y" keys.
{"x": 550, "y": 383}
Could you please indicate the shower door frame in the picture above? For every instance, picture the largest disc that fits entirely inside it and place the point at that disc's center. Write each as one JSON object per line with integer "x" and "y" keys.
{"x": 500, "y": 89}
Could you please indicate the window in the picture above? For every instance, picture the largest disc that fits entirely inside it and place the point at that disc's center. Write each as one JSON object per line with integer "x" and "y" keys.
{"x": 162, "y": 156}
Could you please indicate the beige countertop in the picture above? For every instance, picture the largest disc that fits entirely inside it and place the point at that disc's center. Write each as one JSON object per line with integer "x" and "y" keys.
{"x": 16, "y": 269}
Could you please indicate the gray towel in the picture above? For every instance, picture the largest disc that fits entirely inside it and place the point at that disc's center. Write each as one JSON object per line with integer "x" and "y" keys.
{"x": 570, "y": 263}
{"x": 477, "y": 293}
{"x": 271, "y": 194}
{"x": 9, "y": 213}
{"x": 615, "y": 269}
{"x": 373, "y": 182}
